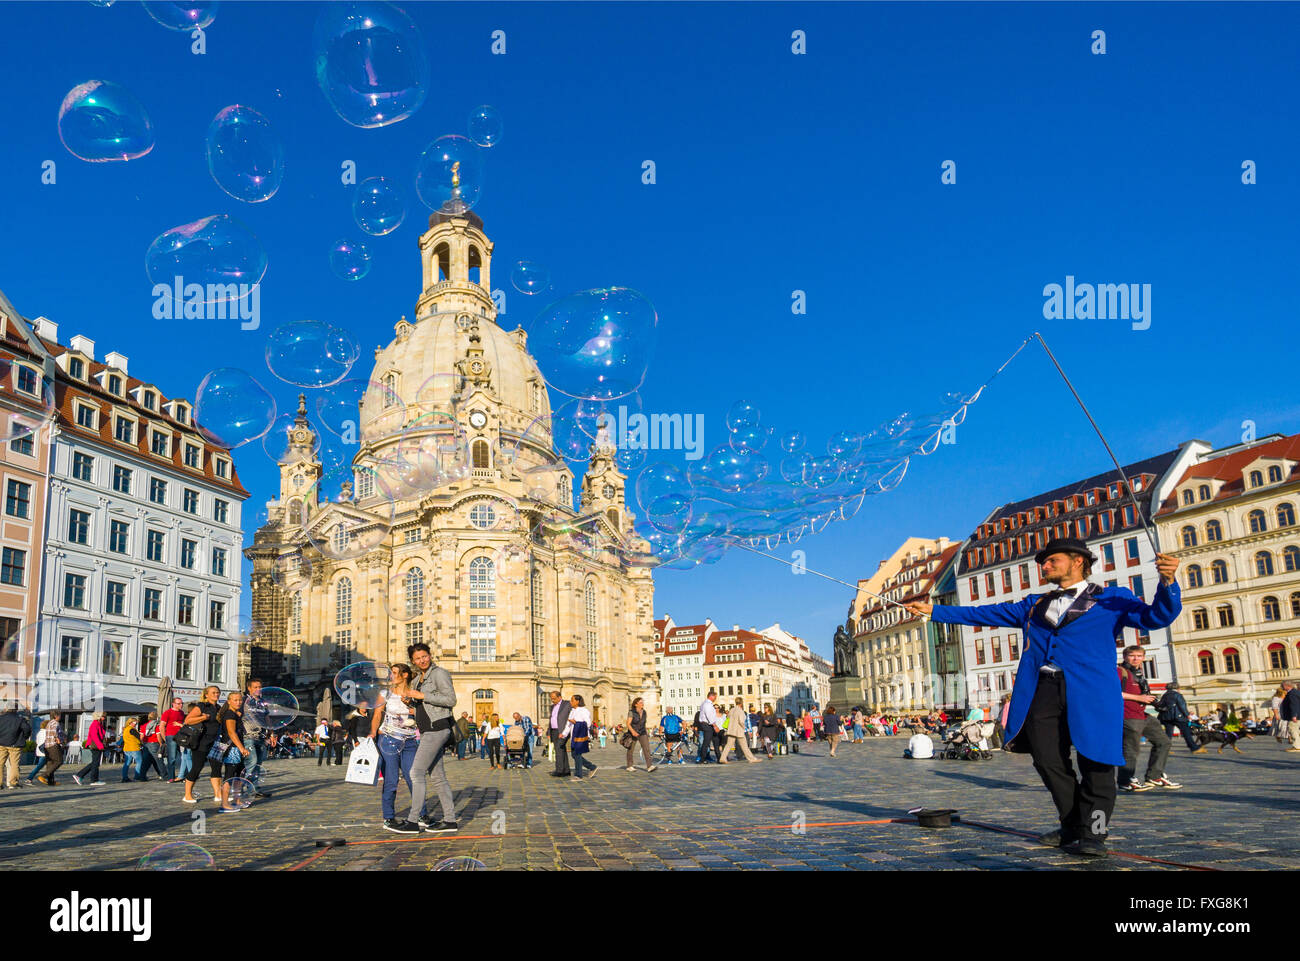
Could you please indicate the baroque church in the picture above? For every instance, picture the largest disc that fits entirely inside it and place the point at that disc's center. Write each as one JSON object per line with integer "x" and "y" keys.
{"x": 456, "y": 524}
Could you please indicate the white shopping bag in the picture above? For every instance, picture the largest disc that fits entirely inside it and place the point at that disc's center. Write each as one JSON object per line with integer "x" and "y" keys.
{"x": 363, "y": 768}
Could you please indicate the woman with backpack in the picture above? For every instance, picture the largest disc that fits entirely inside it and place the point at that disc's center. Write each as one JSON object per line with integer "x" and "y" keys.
{"x": 578, "y": 730}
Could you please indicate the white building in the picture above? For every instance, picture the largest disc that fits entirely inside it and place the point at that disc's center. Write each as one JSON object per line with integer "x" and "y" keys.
{"x": 142, "y": 533}
{"x": 679, "y": 664}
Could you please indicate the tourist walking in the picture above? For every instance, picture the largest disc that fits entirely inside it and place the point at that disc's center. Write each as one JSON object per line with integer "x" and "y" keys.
{"x": 636, "y": 726}
{"x": 228, "y": 751}
{"x": 556, "y": 725}
{"x": 464, "y": 735}
{"x": 1290, "y": 713}
{"x": 255, "y": 712}
{"x": 1140, "y": 723}
{"x": 492, "y": 734}
{"x": 358, "y": 724}
{"x": 831, "y": 725}
{"x": 15, "y": 729}
{"x": 151, "y": 745}
{"x": 96, "y": 739}
{"x": 173, "y": 719}
{"x": 133, "y": 748}
{"x": 736, "y": 733}
{"x": 769, "y": 731}
{"x": 578, "y": 730}
{"x": 338, "y": 741}
{"x": 526, "y": 722}
{"x": 55, "y": 739}
{"x": 709, "y": 725}
{"x": 1173, "y": 714}
{"x": 433, "y": 697}
{"x": 397, "y": 735}
{"x": 202, "y": 719}
{"x": 807, "y": 722}
{"x": 323, "y": 743}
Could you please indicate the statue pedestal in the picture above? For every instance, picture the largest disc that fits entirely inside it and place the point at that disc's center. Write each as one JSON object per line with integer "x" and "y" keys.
{"x": 847, "y": 693}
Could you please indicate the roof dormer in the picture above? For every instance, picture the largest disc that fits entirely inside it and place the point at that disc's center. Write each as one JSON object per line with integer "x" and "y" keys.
{"x": 1266, "y": 471}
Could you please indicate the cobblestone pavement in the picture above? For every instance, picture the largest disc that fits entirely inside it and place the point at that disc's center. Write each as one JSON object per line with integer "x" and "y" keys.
{"x": 1235, "y": 811}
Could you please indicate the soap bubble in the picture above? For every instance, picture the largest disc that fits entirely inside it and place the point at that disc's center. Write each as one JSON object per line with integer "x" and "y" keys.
{"x": 245, "y": 156}
{"x": 450, "y": 174}
{"x": 670, "y": 512}
{"x": 511, "y": 562}
{"x": 596, "y": 344}
{"x": 408, "y": 595}
{"x": 661, "y": 477}
{"x": 182, "y": 17}
{"x": 631, "y": 458}
{"x": 749, "y": 439}
{"x": 742, "y": 414}
{"x": 362, "y": 683}
{"x": 793, "y": 441}
{"x": 729, "y": 469}
{"x": 101, "y": 121}
{"x": 231, "y": 408}
{"x": 350, "y": 531}
{"x": 349, "y": 259}
{"x": 794, "y": 468}
{"x": 37, "y": 391}
{"x": 212, "y": 257}
{"x": 338, "y": 407}
{"x": 311, "y": 353}
{"x": 528, "y": 277}
{"x": 276, "y": 441}
{"x": 274, "y": 709}
{"x": 377, "y": 206}
{"x": 239, "y": 792}
{"x": 459, "y": 864}
{"x": 485, "y": 126}
{"x": 176, "y": 856}
{"x": 844, "y": 443}
{"x": 370, "y": 62}
{"x": 292, "y": 571}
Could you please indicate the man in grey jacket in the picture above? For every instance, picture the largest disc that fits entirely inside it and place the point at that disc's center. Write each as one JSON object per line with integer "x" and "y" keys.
{"x": 432, "y": 690}
{"x": 555, "y": 724}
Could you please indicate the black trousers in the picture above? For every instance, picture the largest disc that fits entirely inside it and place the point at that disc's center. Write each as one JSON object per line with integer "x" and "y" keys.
{"x": 561, "y": 753}
{"x": 91, "y": 769}
{"x": 1085, "y": 802}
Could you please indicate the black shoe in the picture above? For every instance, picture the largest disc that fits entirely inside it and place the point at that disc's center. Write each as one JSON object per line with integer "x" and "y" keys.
{"x": 444, "y": 827}
{"x": 1089, "y": 848}
{"x": 402, "y": 827}
{"x": 558, "y": 774}
{"x": 1056, "y": 839}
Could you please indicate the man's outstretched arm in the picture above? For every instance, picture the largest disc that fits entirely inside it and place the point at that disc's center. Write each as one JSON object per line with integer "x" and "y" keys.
{"x": 1010, "y": 614}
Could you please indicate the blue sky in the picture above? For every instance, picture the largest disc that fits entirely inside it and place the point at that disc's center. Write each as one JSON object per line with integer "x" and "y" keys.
{"x": 775, "y": 172}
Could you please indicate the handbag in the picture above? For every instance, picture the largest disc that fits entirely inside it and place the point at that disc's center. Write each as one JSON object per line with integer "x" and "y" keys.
{"x": 189, "y": 736}
{"x": 628, "y": 739}
{"x": 225, "y": 752}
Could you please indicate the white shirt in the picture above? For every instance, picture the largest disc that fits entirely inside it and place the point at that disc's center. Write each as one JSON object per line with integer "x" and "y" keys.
{"x": 577, "y": 714}
{"x": 322, "y": 731}
{"x": 1056, "y": 608}
{"x": 708, "y": 713}
{"x": 920, "y": 745}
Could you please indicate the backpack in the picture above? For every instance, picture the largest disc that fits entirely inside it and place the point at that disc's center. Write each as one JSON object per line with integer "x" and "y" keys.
{"x": 672, "y": 724}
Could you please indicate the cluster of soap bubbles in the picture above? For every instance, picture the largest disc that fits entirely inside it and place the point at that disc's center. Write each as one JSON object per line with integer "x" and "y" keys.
{"x": 748, "y": 491}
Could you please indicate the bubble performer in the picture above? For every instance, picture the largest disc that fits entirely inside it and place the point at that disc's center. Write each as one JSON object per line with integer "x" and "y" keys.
{"x": 1070, "y": 650}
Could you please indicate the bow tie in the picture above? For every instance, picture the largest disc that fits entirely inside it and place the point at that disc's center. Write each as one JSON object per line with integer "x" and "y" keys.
{"x": 1062, "y": 592}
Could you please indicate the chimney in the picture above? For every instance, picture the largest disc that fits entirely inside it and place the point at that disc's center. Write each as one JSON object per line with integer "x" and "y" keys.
{"x": 83, "y": 344}
{"x": 115, "y": 360}
{"x": 46, "y": 328}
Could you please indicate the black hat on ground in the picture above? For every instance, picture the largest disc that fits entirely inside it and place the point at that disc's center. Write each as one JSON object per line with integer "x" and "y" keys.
{"x": 1064, "y": 545}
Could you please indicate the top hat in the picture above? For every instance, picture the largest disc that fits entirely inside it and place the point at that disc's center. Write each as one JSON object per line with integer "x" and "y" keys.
{"x": 1064, "y": 545}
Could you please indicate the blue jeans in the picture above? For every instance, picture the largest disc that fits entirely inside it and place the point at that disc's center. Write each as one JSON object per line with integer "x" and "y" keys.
{"x": 40, "y": 763}
{"x": 134, "y": 760}
{"x": 173, "y": 752}
{"x": 482, "y": 749}
{"x": 253, "y": 763}
{"x": 580, "y": 761}
{"x": 462, "y": 746}
{"x": 397, "y": 754}
{"x": 528, "y": 751}
{"x": 186, "y": 762}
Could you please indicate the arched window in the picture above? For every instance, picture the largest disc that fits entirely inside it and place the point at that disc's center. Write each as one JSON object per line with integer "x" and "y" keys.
{"x": 390, "y": 390}
{"x": 1295, "y": 604}
{"x": 1226, "y": 617}
{"x": 1277, "y": 658}
{"x": 1263, "y": 563}
{"x": 1258, "y": 524}
{"x": 413, "y": 591}
{"x": 1206, "y": 661}
{"x": 479, "y": 454}
{"x": 1203, "y": 492}
{"x": 1256, "y": 479}
{"x": 475, "y": 264}
{"x": 1285, "y": 515}
{"x": 442, "y": 258}
{"x": 295, "y": 513}
{"x": 1275, "y": 474}
{"x": 343, "y": 602}
{"x": 482, "y": 583}
{"x": 1213, "y": 531}
{"x": 1271, "y": 608}
{"x": 1219, "y": 572}
{"x": 1194, "y": 576}
{"x": 1291, "y": 558}
{"x": 1189, "y": 536}
{"x": 591, "y": 604}
{"x": 1200, "y": 619}
{"x": 1188, "y": 497}
{"x": 566, "y": 494}
{"x": 612, "y": 514}
{"x": 1231, "y": 661}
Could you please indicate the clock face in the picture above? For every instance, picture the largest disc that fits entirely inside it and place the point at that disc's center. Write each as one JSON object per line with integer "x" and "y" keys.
{"x": 477, "y": 419}
{"x": 476, "y": 367}
{"x": 609, "y": 492}
{"x": 299, "y": 480}
{"x": 300, "y": 437}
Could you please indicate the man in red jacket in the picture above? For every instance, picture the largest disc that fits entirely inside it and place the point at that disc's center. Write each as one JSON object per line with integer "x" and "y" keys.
{"x": 173, "y": 719}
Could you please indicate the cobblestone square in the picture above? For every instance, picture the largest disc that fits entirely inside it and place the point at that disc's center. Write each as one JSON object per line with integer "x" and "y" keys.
{"x": 1235, "y": 811}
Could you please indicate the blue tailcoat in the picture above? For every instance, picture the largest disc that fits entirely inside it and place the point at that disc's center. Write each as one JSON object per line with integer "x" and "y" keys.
{"x": 1083, "y": 646}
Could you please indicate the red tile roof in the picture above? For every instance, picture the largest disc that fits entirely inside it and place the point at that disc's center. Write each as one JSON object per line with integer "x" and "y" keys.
{"x": 1228, "y": 468}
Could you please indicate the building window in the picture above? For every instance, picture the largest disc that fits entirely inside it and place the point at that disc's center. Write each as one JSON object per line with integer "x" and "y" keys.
{"x": 78, "y": 526}
{"x": 148, "y": 660}
{"x": 150, "y": 400}
{"x": 979, "y": 650}
{"x": 218, "y": 562}
{"x": 1291, "y": 558}
{"x": 191, "y": 455}
{"x": 1131, "y": 548}
{"x": 1277, "y": 659}
{"x": 217, "y": 615}
{"x": 187, "y": 553}
{"x": 1194, "y": 578}
{"x": 482, "y": 637}
{"x": 111, "y": 658}
{"x": 114, "y": 384}
{"x": 1189, "y": 536}
{"x": 1258, "y": 523}
{"x": 118, "y": 539}
{"x": 1263, "y": 563}
{"x": 1271, "y": 608}
{"x": 1188, "y": 497}
{"x": 70, "y": 651}
{"x": 1135, "y": 585}
{"x": 413, "y": 591}
{"x": 1024, "y": 577}
{"x": 82, "y": 466}
{"x": 366, "y": 485}
{"x": 343, "y": 602}
{"x": 184, "y": 664}
{"x": 1295, "y": 604}
{"x": 989, "y": 584}
{"x": 1213, "y": 531}
{"x": 158, "y": 443}
{"x": 220, "y": 510}
{"x": 591, "y": 650}
{"x": 76, "y": 368}
{"x": 215, "y": 672}
{"x": 390, "y": 390}
{"x": 18, "y": 499}
{"x": 482, "y": 516}
{"x": 1219, "y": 572}
{"x": 1205, "y": 661}
{"x": 152, "y": 604}
{"x": 185, "y": 609}
{"x": 1256, "y": 479}
{"x": 22, "y": 445}
{"x": 566, "y": 495}
{"x": 1108, "y": 556}
{"x": 974, "y": 585}
{"x": 124, "y": 430}
{"x": 1006, "y": 579}
{"x": 191, "y": 501}
{"x": 74, "y": 591}
{"x": 1014, "y": 643}
{"x": 157, "y": 490}
{"x": 1285, "y": 515}
{"x": 1226, "y": 618}
{"x": 343, "y": 639}
{"x": 86, "y": 416}
{"x": 154, "y": 546}
{"x": 295, "y": 614}
{"x": 13, "y": 567}
{"x": 122, "y": 479}
{"x": 482, "y": 583}
{"x": 223, "y": 467}
{"x": 479, "y": 454}
{"x": 1104, "y": 522}
{"x": 539, "y": 643}
{"x": 538, "y": 594}
{"x": 182, "y": 414}
{"x": 997, "y": 650}
{"x": 115, "y": 598}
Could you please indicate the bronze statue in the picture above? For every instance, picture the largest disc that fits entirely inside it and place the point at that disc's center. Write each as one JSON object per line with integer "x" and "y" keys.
{"x": 846, "y": 655}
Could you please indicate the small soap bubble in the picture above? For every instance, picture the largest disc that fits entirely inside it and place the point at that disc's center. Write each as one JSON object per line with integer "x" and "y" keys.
{"x": 459, "y": 864}
{"x": 182, "y": 17}
{"x": 378, "y": 207}
{"x": 245, "y": 155}
{"x": 100, "y": 121}
{"x": 176, "y": 856}
{"x": 311, "y": 353}
{"x": 212, "y": 258}
{"x": 277, "y": 441}
{"x": 231, "y": 408}
{"x": 349, "y": 259}
{"x": 370, "y": 62}
{"x": 239, "y": 792}
{"x": 749, "y": 439}
{"x": 742, "y": 414}
{"x": 450, "y": 174}
{"x": 528, "y": 277}
{"x": 793, "y": 441}
{"x": 485, "y": 126}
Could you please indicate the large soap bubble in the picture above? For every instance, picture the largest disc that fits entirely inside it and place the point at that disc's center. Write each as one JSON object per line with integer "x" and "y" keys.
{"x": 245, "y": 155}
{"x": 231, "y": 408}
{"x": 182, "y": 17}
{"x": 216, "y": 259}
{"x": 101, "y": 121}
{"x": 596, "y": 344}
{"x": 377, "y": 206}
{"x": 274, "y": 708}
{"x": 28, "y": 382}
{"x": 450, "y": 174}
{"x": 485, "y": 126}
{"x": 362, "y": 683}
{"x": 311, "y": 353}
{"x": 349, "y": 259}
{"x": 176, "y": 856}
{"x": 370, "y": 62}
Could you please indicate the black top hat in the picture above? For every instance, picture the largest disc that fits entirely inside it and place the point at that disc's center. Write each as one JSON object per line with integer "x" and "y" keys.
{"x": 1064, "y": 545}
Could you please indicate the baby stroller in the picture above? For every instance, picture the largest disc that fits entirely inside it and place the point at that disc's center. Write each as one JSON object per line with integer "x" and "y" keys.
{"x": 969, "y": 742}
{"x": 516, "y": 748}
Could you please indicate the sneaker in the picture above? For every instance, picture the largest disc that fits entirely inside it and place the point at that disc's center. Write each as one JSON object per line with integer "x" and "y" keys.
{"x": 41, "y": 778}
{"x": 426, "y": 821}
{"x": 96, "y": 783}
{"x": 77, "y": 779}
{"x": 652, "y": 767}
{"x": 1163, "y": 782}
{"x": 631, "y": 768}
{"x": 444, "y": 827}
{"x": 1136, "y": 786}
{"x": 391, "y": 824}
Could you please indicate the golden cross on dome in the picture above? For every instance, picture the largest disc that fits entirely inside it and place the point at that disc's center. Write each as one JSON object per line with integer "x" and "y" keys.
{"x": 455, "y": 174}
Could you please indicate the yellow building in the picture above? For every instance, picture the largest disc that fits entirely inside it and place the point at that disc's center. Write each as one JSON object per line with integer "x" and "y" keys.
{"x": 1231, "y": 520}
{"x": 455, "y": 525}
